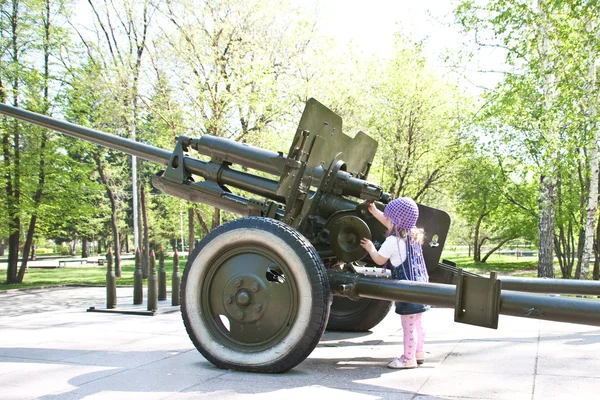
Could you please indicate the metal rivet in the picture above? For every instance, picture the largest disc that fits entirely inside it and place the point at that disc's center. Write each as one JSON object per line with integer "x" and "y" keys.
{"x": 238, "y": 282}
{"x": 239, "y": 315}
{"x": 254, "y": 287}
{"x": 257, "y": 307}
{"x": 228, "y": 299}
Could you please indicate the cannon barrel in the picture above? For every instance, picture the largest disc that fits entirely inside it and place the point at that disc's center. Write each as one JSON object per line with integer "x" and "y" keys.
{"x": 518, "y": 304}
{"x": 245, "y": 181}
{"x": 262, "y": 160}
{"x": 114, "y": 142}
{"x": 546, "y": 285}
{"x": 238, "y": 153}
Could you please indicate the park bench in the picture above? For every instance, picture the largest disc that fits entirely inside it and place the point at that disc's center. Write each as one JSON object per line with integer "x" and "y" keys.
{"x": 63, "y": 263}
{"x": 38, "y": 265}
{"x": 99, "y": 261}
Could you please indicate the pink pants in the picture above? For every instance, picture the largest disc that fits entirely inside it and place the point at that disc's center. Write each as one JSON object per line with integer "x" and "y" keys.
{"x": 414, "y": 335}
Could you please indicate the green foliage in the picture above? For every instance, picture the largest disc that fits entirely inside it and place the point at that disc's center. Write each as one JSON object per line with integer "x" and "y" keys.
{"x": 233, "y": 62}
{"x": 416, "y": 117}
{"x": 539, "y": 115}
{"x": 494, "y": 199}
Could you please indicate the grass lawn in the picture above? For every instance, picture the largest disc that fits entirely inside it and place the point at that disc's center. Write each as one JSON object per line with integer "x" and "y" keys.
{"x": 525, "y": 267}
{"x": 39, "y": 277}
{"x": 89, "y": 276}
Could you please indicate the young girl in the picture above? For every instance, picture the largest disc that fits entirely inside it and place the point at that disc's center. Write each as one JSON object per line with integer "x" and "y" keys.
{"x": 402, "y": 249}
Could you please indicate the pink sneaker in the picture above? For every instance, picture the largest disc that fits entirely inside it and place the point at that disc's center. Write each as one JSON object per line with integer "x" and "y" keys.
{"x": 420, "y": 357}
{"x": 402, "y": 363}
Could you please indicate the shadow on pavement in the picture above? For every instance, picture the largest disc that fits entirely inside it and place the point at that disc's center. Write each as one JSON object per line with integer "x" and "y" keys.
{"x": 196, "y": 376}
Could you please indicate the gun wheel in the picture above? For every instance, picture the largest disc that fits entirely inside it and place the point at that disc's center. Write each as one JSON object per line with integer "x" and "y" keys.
{"x": 356, "y": 316}
{"x": 255, "y": 296}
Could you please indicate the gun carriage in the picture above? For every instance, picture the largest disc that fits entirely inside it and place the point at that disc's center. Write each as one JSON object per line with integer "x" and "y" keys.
{"x": 258, "y": 292}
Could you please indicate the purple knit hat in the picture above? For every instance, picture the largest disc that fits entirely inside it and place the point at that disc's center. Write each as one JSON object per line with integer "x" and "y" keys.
{"x": 403, "y": 212}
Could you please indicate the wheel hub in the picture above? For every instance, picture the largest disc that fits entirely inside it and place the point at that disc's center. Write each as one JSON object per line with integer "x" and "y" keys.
{"x": 245, "y": 298}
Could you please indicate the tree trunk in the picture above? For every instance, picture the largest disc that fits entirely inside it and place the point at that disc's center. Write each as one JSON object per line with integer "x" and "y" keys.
{"x": 476, "y": 244}
{"x": 547, "y": 205}
{"x": 559, "y": 254}
{"x": 146, "y": 230}
{"x": 13, "y": 254}
{"x": 191, "y": 238}
{"x": 580, "y": 244}
{"x": 596, "y": 274}
{"x": 73, "y": 246}
{"x": 140, "y": 222}
{"x": 489, "y": 253}
{"x": 37, "y": 198}
{"x": 84, "y": 248}
{"x": 202, "y": 222}
{"x": 548, "y": 178}
{"x": 12, "y": 161}
{"x": 28, "y": 245}
{"x": 216, "y": 221}
{"x": 113, "y": 217}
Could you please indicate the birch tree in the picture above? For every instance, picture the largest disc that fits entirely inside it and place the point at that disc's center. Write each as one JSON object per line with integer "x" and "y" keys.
{"x": 527, "y": 108}
{"x": 591, "y": 35}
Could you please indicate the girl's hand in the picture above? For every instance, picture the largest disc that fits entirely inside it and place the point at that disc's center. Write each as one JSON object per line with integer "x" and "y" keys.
{"x": 367, "y": 245}
{"x": 372, "y": 209}
{"x": 378, "y": 214}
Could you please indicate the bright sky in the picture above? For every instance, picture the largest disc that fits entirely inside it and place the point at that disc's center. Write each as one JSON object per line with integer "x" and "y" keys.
{"x": 370, "y": 25}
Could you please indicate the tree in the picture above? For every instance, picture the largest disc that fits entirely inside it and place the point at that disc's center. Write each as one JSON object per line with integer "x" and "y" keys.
{"x": 11, "y": 131}
{"x": 585, "y": 16}
{"x": 531, "y": 107}
{"x": 415, "y": 118}
{"x": 27, "y": 83}
{"x": 118, "y": 49}
{"x": 233, "y": 61}
{"x": 89, "y": 102}
{"x": 492, "y": 197}
{"x": 52, "y": 42}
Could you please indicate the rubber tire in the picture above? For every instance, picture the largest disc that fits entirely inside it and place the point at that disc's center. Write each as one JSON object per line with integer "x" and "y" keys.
{"x": 356, "y": 316}
{"x": 312, "y": 289}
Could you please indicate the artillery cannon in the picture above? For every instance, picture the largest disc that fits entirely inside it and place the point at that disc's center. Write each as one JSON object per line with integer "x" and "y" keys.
{"x": 258, "y": 292}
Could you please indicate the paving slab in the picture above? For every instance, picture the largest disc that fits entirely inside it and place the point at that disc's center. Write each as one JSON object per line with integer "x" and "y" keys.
{"x": 52, "y": 348}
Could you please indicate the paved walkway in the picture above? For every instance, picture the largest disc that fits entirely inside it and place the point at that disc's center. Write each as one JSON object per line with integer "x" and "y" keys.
{"x": 51, "y": 348}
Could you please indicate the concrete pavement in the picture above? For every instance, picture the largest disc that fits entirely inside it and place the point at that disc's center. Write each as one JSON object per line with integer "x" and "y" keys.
{"x": 51, "y": 348}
